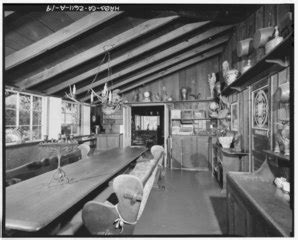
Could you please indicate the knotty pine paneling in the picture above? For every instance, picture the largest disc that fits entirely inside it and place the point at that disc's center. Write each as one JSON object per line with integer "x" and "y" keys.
{"x": 194, "y": 77}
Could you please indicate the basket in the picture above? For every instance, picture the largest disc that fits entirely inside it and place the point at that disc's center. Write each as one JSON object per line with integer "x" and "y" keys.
{"x": 230, "y": 76}
{"x": 225, "y": 141}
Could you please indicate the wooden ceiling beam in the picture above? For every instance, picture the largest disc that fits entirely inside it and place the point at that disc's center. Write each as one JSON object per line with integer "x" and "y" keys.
{"x": 178, "y": 67}
{"x": 157, "y": 57}
{"x": 7, "y": 13}
{"x": 95, "y": 51}
{"x": 129, "y": 55}
{"x": 175, "y": 60}
{"x": 62, "y": 36}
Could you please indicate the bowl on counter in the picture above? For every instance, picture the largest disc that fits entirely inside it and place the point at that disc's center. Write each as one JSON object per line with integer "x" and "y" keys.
{"x": 225, "y": 141}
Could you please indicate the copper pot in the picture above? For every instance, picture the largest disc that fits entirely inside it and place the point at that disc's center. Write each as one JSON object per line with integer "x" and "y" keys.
{"x": 262, "y": 36}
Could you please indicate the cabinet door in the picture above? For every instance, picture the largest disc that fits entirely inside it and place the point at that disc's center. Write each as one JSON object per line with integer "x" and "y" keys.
{"x": 176, "y": 152}
{"x": 101, "y": 143}
{"x": 189, "y": 152}
{"x": 202, "y": 152}
{"x": 112, "y": 142}
{"x": 239, "y": 219}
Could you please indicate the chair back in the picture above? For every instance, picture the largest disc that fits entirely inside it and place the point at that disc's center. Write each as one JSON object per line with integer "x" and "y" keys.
{"x": 156, "y": 151}
{"x": 85, "y": 149}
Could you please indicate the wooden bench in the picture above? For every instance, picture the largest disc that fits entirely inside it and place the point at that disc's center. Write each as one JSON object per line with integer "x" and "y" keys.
{"x": 146, "y": 170}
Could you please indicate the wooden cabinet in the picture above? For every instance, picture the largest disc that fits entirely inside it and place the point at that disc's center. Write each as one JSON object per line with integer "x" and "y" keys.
{"x": 190, "y": 152}
{"x": 226, "y": 160}
{"x": 254, "y": 209}
{"x": 108, "y": 141}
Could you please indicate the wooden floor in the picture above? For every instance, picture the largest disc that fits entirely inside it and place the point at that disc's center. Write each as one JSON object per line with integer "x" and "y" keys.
{"x": 192, "y": 203}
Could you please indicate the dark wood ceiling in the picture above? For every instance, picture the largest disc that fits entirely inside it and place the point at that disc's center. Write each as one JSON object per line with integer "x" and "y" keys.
{"x": 47, "y": 52}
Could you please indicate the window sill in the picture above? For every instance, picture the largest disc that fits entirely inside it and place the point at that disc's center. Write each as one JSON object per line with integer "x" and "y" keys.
{"x": 11, "y": 145}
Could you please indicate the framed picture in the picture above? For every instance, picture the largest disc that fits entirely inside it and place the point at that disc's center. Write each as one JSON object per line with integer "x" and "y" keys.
{"x": 234, "y": 116}
{"x": 260, "y": 108}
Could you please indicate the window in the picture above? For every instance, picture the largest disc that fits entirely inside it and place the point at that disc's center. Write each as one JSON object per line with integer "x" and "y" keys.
{"x": 70, "y": 118}
{"x": 146, "y": 122}
{"x": 22, "y": 117}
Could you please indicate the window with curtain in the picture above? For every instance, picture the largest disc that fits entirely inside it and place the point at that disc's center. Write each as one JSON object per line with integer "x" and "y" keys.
{"x": 70, "y": 118}
{"x": 22, "y": 117}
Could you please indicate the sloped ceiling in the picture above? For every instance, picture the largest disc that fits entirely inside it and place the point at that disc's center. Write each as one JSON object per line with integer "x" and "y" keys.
{"x": 46, "y": 52}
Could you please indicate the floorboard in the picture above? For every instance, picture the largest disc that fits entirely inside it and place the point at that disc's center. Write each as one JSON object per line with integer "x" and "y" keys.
{"x": 192, "y": 203}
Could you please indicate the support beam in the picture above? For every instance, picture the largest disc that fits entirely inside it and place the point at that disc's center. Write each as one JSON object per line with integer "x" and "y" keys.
{"x": 62, "y": 36}
{"x": 129, "y": 55}
{"x": 7, "y": 13}
{"x": 174, "y": 69}
{"x": 170, "y": 62}
{"x": 157, "y": 57}
{"x": 95, "y": 51}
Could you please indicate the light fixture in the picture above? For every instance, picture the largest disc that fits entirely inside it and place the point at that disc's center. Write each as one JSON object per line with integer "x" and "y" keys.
{"x": 110, "y": 100}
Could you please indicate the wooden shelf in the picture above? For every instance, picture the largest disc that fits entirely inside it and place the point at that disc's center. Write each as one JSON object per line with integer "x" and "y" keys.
{"x": 277, "y": 155}
{"x": 263, "y": 68}
{"x": 171, "y": 102}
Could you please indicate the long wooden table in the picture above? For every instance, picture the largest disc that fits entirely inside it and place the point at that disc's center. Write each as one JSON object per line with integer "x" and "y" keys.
{"x": 33, "y": 204}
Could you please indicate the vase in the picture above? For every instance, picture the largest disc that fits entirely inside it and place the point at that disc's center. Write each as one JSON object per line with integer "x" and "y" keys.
{"x": 211, "y": 81}
{"x": 244, "y": 47}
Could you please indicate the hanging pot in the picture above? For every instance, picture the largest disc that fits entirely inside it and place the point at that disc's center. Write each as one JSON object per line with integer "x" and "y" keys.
{"x": 262, "y": 36}
{"x": 244, "y": 47}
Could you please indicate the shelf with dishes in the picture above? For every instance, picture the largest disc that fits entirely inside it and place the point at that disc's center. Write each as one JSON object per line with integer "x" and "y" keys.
{"x": 191, "y": 122}
{"x": 276, "y": 59}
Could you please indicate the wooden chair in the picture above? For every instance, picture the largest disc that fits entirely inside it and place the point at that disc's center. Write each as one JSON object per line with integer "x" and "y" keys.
{"x": 85, "y": 149}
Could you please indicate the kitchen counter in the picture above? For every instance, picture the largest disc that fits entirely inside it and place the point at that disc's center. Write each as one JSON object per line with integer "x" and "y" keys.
{"x": 263, "y": 201}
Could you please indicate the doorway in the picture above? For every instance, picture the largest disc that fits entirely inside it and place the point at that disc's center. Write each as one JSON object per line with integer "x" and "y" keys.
{"x": 144, "y": 109}
{"x": 147, "y": 126}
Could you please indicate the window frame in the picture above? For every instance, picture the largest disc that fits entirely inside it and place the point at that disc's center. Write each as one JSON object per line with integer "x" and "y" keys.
{"x": 78, "y": 125}
{"x": 17, "y": 109}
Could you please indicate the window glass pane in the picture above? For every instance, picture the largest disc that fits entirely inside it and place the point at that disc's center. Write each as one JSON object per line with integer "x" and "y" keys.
{"x": 25, "y": 102}
{"x": 10, "y": 117}
{"x": 36, "y": 103}
{"x": 36, "y": 132}
{"x": 24, "y": 117}
{"x": 36, "y": 118}
{"x": 25, "y": 130}
{"x": 68, "y": 107}
{"x": 10, "y": 100}
{"x": 68, "y": 119}
{"x": 12, "y": 135}
{"x": 75, "y": 129}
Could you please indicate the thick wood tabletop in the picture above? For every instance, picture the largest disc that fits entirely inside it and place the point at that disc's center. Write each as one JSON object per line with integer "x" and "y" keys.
{"x": 33, "y": 204}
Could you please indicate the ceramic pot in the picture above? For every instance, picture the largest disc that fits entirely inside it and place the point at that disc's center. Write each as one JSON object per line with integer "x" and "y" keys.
{"x": 230, "y": 76}
{"x": 274, "y": 42}
{"x": 262, "y": 36}
{"x": 244, "y": 47}
{"x": 282, "y": 93}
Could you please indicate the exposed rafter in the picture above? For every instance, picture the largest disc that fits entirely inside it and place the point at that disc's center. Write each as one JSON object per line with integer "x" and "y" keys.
{"x": 129, "y": 55}
{"x": 78, "y": 59}
{"x": 60, "y": 37}
{"x": 174, "y": 69}
{"x": 157, "y": 57}
{"x": 7, "y": 13}
{"x": 170, "y": 62}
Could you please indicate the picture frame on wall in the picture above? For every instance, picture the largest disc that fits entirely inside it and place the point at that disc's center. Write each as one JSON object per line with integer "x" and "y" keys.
{"x": 234, "y": 116}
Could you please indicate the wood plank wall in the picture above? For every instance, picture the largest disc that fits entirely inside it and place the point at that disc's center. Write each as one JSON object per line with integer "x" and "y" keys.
{"x": 267, "y": 15}
{"x": 194, "y": 77}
